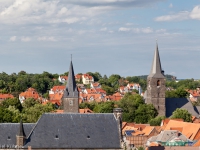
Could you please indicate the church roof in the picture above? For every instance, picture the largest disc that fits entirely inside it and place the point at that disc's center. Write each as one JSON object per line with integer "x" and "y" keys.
{"x": 66, "y": 131}
{"x": 71, "y": 88}
{"x": 156, "y": 69}
{"x": 8, "y": 132}
{"x": 173, "y": 103}
{"x": 75, "y": 130}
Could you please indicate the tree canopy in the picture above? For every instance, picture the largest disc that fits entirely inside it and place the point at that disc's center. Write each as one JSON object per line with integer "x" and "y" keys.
{"x": 182, "y": 114}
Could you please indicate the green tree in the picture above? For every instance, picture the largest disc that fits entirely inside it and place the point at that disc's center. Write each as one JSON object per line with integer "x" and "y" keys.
{"x": 29, "y": 102}
{"x": 145, "y": 113}
{"x": 130, "y": 103}
{"x": 178, "y": 93}
{"x": 156, "y": 121}
{"x": 12, "y": 102}
{"x": 109, "y": 90}
{"x": 5, "y": 115}
{"x": 182, "y": 114}
{"x": 104, "y": 107}
{"x": 32, "y": 114}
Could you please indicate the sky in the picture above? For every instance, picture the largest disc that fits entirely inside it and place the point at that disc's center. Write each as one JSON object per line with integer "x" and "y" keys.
{"x": 105, "y": 36}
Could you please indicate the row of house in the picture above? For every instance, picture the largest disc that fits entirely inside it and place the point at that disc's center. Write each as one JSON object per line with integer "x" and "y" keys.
{"x": 171, "y": 132}
{"x": 84, "y": 78}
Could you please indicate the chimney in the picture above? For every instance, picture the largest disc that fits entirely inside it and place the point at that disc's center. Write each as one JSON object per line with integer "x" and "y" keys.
{"x": 118, "y": 115}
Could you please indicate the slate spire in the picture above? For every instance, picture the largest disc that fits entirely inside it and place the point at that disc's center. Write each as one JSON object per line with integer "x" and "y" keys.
{"x": 156, "y": 69}
{"x": 71, "y": 88}
{"x": 21, "y": 129}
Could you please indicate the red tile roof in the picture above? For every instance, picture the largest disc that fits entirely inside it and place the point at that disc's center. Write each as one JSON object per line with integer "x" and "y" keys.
{"x": 58, "y": 88}
{"x": 87, "y": 76}
{"x": 5, "y": 96}
{"x": 64, "y": 77}
{"x": 30, "y": 93}
{"x": 56, "y": 96}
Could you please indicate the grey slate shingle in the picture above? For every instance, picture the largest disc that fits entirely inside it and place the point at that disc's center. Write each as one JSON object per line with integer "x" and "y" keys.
{"x": 8, "y": 132}
{"x": 173, "y": 103}
{"x": 75, "y": 131}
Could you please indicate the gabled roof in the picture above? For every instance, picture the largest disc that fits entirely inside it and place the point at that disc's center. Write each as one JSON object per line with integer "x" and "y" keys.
{"x": 71, "y": 88}
{"x": 75, "y": 131}
{"x": 156, "y": 70}
{"x": 147, "y": 130}
{"x": 30, "y": 93}
{"x": 58, "y": 88}
{"x": 173, "y": 103}
{"x": 188, "y": 129}
{"x": 87, "y": 76}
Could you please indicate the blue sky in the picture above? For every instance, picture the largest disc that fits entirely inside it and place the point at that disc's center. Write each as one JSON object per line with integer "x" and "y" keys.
{"x": 107, "y": 36}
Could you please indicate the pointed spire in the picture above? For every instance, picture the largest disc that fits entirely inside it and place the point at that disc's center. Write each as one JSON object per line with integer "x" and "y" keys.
{"x": 71, "y": 88}
{"x": 21, "y": 129}
{"x": 156, "y": 69}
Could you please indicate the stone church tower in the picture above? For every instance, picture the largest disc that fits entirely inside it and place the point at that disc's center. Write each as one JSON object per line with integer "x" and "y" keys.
{"x": 156, "y": 85}
{"x": 70, "y": 99}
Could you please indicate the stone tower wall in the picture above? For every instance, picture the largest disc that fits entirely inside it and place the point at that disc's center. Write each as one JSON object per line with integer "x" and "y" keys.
{"x": 156, "y": 94}
{"x": 70, "y": 105}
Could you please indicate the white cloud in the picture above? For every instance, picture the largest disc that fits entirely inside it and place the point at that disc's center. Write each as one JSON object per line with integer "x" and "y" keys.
{"x": 136, "y": 30}
{"x": 146, "y": 30}
{"x": 171, "y": 5}
{"x": 58, "y": 11}
{"x": 174, "y": 17}
{"x": 195, "y": 13}
{"x": 124, "y": 29}
{"x": 13, "y": 38}
{"x": 45, "y": 38}
{"x": 103, "y": 29}
{"x": 25, "y": 39}
{"x": 183, "y": 15}
{"x": 161, "y": 30}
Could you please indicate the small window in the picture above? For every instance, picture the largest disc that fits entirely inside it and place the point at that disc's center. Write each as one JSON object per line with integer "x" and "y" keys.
{"x": 88, "y": 137}
{"x": 158, "y": 83}
{"x": 56, "y": 137}
{"x": 71, "y": 102}
{"x": 8, "y": 137}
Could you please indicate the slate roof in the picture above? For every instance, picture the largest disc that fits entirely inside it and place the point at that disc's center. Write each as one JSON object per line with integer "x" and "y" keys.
{"x": 8, "y": 132}
{"x": 156, "y": 70}
{"x": 74, "y": 130}
{"x": 71, "y": 88}
{"x": 173, "y": 103}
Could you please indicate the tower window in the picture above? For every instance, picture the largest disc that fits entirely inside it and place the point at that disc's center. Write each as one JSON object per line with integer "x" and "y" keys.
{"x": 158, "y": 83}
{"x": 71, "y": 102}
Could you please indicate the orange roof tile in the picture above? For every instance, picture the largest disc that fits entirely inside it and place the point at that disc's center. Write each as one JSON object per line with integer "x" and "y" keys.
{"x": 147, "y": 130}
{"x": 58, "y": 88}
{"x": 30, "y": 93}
{"x": 188, "y": 129}
{"x": 5, "y": 96}
{"x": 87, "y": 76}
{"x": 56, "y": 96}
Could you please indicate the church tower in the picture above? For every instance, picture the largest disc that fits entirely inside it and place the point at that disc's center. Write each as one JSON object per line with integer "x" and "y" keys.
{"x": 70, "y": 100}
{"x": 156, "y": 85}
